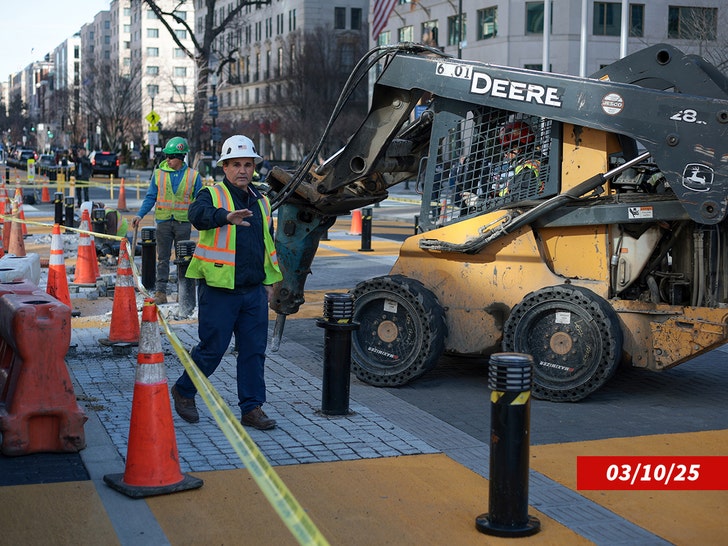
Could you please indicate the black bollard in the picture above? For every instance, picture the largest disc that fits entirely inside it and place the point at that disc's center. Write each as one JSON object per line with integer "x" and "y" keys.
{"x": 186, "y": 292}
{"x": 509, "y": 378}
{"x": 366, "y": 230}
{"x": 98, "y": 221}
{"x": 338, "y": 325}
{"x": 70, "y": 206}
{"x": 58, "y": 204}
{"x": 149, "y": 257}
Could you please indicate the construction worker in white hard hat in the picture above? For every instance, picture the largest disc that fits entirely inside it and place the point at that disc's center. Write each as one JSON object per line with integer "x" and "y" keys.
{"x": 236, "y": 264}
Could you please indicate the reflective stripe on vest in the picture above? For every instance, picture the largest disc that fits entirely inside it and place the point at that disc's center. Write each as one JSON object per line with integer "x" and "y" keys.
{"x": 221, "y": 248}
{"x": 170, "y": 204}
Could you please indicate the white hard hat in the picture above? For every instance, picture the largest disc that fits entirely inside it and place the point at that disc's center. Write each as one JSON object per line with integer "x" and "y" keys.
{"x": 239, "y": 146}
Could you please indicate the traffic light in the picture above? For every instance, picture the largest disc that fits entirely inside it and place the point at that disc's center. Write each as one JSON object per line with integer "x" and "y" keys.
{"x": 213, "y": 106}
{"x": 216, "y": 134}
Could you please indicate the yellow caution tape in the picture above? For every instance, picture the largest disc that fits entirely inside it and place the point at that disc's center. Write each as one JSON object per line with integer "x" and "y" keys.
{"x": 279, "y": 496}
{"x": 10, "y": 217}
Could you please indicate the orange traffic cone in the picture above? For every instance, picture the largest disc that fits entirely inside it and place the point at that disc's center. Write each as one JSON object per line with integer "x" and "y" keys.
{"x": 355, "y": 222}
{"x": 16, "y": 245}
{"x": 9, "y": 224}
{"x": 86, "y": 264}
{"x": 45, "y": 195}
{"x": 152, "y": 459}
{"x": 124, "y": 322}
{"x": 3, "y": 200}
{"x": 21, "y": 214}
{"x": 57, "y": 280}
{"x": 121, "y": 203}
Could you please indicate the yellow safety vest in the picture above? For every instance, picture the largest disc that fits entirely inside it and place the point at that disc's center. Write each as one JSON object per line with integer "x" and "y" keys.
{"x": 214, "y": 257}
{"x": 534, "y": 165}
{"x": 170, "y": 204}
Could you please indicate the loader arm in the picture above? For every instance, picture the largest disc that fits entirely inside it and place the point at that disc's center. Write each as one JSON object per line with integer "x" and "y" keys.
{"x": 660, "y": 102}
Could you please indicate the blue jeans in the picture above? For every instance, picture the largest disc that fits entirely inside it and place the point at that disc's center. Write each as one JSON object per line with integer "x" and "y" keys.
{"x": 168, "y": 233}
{"x": 221, "y": 314}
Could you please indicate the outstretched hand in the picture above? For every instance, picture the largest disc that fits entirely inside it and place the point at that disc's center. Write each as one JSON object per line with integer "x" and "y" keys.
{"x": 237, "y": 217}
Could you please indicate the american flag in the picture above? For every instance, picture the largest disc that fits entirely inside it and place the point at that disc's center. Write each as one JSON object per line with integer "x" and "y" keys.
{"x": 380, "y": 15}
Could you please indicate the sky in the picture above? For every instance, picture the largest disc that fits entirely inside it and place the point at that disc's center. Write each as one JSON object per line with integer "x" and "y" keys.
{"x": 30, "y": 32}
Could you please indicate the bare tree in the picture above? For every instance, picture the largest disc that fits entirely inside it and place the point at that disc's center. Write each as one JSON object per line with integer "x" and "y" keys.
{"x": 207, "y": 45}
{"x": 699, "y": 27}
{"x": 316, "y": 74}
{"x": 17, "y": 120}
{"x": 112, "y": 101}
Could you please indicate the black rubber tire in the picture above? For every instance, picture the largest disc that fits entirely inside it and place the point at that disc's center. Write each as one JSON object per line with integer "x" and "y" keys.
{"x": 402, "y": 330}
{"x": 574, "y": 337}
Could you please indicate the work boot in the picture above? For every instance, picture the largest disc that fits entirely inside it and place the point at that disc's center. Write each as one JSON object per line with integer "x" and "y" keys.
{"x": 258, "y": 419}
{"x": 185, "y": 407}
{"x": 160, "y": 298}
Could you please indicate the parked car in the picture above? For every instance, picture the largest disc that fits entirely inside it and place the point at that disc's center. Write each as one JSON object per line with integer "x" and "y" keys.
{"x": 46, "y": 165}
{"x": 207, "y": 167}
{"x": 104, "y": 163}
{"x": 21, "y": 156}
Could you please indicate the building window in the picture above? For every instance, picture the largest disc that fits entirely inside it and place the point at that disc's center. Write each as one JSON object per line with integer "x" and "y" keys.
{"x": 453, "y": 29}
{"x": 181, "y": 34}
{"x": 339, "y": 18}
{"x": 406, "y": 34}
{"x": 534, "y": 17}
{"x": 385, "y": 38}
{"x": 179, "y": 53}
{"x": 152, "y": 90}
{"x": 292, "y": 20}
{"x": 608, "y": 19}
{"x": 127, "y": 29}
{"x": 152, "y": 52}
{"x": 430, "y": 33}
{"x": 151, "y": 14}
{"x": 487, "y": 23}
{"x": 356, "y": 19}
{"x": 180, "y": 71}
{"x": 181, "y": 14}
{"x": 346, "y": 57}
{"x": 152, "y": 33}
{"x": 152, "y": 70}
{"x": 180, "y": 90}
{"x": 685, "y": 23}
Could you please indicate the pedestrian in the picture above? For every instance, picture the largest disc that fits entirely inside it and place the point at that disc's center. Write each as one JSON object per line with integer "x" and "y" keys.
{"x": 83, "y": 175}
{"x": 235, "y": 262}
{"x": 172, "y": 188}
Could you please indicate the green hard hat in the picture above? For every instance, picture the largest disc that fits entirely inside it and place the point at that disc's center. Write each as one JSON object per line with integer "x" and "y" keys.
{"x": 176, "y": 145}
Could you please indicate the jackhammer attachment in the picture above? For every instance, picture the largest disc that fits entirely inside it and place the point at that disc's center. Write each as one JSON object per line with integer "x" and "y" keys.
{"x": 297, "y": 238}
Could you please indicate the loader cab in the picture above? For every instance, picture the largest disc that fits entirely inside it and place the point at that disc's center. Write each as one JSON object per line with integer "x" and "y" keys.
{"x": 481, "y": 159}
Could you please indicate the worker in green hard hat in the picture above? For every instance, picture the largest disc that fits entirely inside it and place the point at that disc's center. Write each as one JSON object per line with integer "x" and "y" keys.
{"x": 172, "y": 188}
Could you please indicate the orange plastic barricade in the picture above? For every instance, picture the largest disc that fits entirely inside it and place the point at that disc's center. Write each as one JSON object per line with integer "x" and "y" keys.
{"x": 38, "y": 408}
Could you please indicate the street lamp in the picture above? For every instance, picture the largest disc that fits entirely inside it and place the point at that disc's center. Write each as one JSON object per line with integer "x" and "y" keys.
{"x": 215, "y": 136}
{"x": 152, "y": 135}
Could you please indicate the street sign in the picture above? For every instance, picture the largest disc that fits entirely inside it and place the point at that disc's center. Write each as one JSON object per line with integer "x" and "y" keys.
{"x": 152, "y": 117}
{"x": 154, "y": 128}
{"x": 153, "y": 138}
